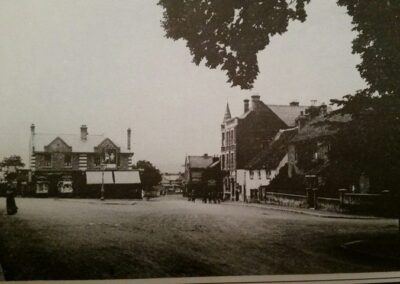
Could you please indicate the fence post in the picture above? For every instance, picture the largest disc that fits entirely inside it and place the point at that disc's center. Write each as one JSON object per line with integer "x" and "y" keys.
{"x": 315, "y": 195}
{"x": 342, "y": 192}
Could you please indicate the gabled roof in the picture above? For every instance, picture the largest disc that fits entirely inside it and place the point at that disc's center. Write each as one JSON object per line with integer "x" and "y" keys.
{"x": 288, "y": 113}
{"x": 199, "y": 162}
{"x": 321, "y": 126}
{"x": 270, "y": 157}
{"x": 40, "y": 140}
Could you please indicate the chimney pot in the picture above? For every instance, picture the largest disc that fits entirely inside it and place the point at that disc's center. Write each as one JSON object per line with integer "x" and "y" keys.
{"x": 84, "y": 132}
{"x": 32, "y": 128}
{"x": 254, "y": 101}
{"x": 246, "y": 105}
{"x": 129, "y": 132}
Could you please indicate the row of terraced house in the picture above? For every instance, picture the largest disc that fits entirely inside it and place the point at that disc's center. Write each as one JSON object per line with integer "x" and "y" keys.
{"x": 280, "y": 154}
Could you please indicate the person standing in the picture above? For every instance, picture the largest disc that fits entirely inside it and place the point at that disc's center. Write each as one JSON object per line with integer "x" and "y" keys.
{"x": 10, "y": 195}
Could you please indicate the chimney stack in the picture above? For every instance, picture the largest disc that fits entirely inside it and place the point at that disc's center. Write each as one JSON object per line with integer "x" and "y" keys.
{"x": 129, "y": 138}
{"x": 301, "y": 120}
{"x": 255, "y": 99}
{"x": 84, "y": 133}
{"x": 246, "y": 105}
{"x": 32, "y": 129}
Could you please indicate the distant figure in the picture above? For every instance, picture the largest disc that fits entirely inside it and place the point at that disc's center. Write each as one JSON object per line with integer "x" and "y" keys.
{"x": 10, "y": 193}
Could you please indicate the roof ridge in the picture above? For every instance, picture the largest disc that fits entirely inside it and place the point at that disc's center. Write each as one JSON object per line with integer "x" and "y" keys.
{"x": 67, "y": 134}
{"x": 287, "y": 105}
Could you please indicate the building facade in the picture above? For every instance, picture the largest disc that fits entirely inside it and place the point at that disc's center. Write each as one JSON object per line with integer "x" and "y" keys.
{"x": 172, "y": 182}
{"x": 245, "y": 136}
{"x": 195, "y": 166}
{"x": 74, "y": 163}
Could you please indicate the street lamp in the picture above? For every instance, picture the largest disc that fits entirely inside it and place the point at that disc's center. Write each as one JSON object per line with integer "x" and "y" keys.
{"x": 103, "y": 166}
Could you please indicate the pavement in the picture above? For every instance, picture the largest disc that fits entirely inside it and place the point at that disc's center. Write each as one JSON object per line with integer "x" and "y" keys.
{"x": 79, "y": 239}
{"x": 305, "y": 211}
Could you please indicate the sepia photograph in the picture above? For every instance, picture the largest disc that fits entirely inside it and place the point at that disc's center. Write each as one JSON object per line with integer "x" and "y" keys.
{"x": 200, "y": 141}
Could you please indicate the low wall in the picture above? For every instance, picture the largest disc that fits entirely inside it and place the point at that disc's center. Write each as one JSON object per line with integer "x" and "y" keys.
{"x": 376, "y": 204}
{"x": 383, "y": 204}
{"x": 329, "y": 204}
{"x": 286, "y": 199}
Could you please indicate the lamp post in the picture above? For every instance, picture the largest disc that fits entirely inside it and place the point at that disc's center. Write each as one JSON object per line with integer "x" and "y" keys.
{"x": 102, "y": 182}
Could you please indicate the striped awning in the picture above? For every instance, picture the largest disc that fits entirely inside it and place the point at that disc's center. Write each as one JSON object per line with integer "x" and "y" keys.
{"x": 96, "y": 178}
{"x": 127, "y": 177}
{"x": 113, "y": 177}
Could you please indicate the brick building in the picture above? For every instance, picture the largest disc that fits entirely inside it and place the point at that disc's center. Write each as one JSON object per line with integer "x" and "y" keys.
{"x": 77, "y": 164}
{"x": 245, "y": 136}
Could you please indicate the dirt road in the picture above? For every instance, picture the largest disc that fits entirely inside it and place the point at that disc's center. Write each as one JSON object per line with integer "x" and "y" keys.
{"x": 171, "y": 237}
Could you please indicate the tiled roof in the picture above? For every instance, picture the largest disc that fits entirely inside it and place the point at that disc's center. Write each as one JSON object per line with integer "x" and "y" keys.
{"x": 40, "y": 140}
{"x": 288, "y": 113}
{"x": 276, "y": 151}
{"x": 321, "y": 126}
{"x": 199, "y": 162}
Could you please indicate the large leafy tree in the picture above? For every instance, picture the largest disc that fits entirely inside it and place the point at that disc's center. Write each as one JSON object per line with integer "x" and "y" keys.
{"x": 229, "y": 33}
{"x": 149, "y": 174}
{"x": 369, "y": 143}
{"x": 10, "y": 165}
{"x": 377, "y": 23}
{"x": 12, "y": 161}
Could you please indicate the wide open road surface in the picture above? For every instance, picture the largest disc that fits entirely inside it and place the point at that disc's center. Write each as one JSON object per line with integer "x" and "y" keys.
{"x": 172, "y": 237}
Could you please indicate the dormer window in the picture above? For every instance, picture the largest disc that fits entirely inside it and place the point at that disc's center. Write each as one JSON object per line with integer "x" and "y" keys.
{"x": 67, "y": 160}
{"x": 97, "y": 160}
{"x": 47, "y": 160}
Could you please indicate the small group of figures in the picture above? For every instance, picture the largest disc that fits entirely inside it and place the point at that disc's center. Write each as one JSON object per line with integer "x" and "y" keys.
{"x": 209, "y": 197}
{"x": 212, "y": 197}
{"x": 10, "y": 199}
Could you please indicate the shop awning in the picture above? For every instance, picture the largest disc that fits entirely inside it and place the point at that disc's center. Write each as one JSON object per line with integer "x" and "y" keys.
{"x": 96, "y": 178}
{"x": 127, "y": 177}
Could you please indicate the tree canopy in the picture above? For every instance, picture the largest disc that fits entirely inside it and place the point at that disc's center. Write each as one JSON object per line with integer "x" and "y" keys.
{"x": 12, "y": 161}
{"x": 369, "y": 143}
{"x": 149, "y": 174}
{"x": 377, "y": 23}
{"x": 229, "y": 33}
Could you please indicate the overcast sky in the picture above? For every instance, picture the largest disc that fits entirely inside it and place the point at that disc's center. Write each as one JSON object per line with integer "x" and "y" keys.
{"x": 107, "y": 64}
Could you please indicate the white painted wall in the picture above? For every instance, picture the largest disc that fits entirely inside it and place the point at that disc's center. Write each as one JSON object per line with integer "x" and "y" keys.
{"x": 258, "y": 179}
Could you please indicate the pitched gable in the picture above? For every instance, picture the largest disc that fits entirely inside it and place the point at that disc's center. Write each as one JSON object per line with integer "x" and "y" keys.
{"x": 57, "y": 145}
{"x": 108, "y": 144}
